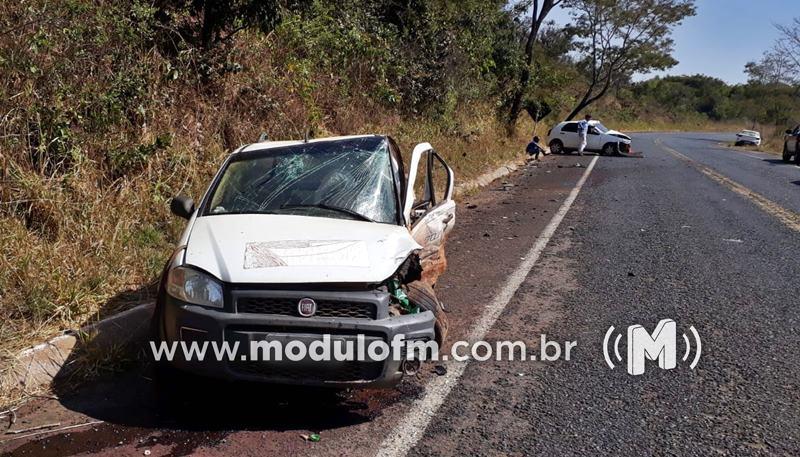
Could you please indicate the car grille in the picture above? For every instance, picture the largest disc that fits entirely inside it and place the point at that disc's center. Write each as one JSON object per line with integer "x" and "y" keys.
{"x": 288, "y": 307}
{"x": 295, "y": 371}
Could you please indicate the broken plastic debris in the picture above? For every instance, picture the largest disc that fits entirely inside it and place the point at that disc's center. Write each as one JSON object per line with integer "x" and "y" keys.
{"x": 400, "y": 295}
{"x": 314, "y": 437}
{"x": 440, "y": 370}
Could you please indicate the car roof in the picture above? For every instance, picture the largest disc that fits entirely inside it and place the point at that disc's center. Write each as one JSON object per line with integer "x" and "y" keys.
{"x": 592, "y": 122}
{"x": 278, "y": 144}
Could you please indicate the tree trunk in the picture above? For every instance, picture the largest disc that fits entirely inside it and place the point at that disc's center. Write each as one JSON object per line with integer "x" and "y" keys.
{"x": 588, "y": 98}
{"x": 537, "y": 18}
{"x": 581, "y": 105}
{"x": 525, "y": 78}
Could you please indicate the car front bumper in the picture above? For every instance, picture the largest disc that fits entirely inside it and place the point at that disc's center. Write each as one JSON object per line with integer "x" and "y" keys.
{"x": 192, "y": 323}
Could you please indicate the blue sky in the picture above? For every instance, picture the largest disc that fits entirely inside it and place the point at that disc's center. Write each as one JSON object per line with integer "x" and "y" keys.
{"x": 725, "y": 35}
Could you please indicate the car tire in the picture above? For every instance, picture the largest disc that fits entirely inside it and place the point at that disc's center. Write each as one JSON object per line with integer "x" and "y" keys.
{"x": 609, "y": 149}
{"x": 796, "y": 156}
{"x": 422, "y": 294}
{"x": 786, "y": 156}
{"x": 556, "y": 147}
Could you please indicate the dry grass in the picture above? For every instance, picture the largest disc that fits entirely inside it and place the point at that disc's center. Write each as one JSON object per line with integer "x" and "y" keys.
{"x": 82, "y": 236}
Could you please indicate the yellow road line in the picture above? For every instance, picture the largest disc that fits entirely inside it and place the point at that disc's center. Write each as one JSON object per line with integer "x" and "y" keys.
{"x": 788, "y": 217}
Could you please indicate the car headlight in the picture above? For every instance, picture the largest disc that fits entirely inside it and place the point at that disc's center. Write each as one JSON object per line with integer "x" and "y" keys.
{"x": 192, "y": 286}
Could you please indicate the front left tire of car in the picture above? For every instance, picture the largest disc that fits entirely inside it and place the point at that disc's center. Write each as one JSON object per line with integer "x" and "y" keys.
{"x": 610, "y": 149}
{"x": 422, "y": 294}
{"x": 786, "y": 156}
{"x": 556, "y": 147}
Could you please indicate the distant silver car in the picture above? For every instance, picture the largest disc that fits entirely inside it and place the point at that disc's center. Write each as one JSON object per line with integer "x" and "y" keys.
{"x": 746, "y": 137}
{"x": 791, "y": 145}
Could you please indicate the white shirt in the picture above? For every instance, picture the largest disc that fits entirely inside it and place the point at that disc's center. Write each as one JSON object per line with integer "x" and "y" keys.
{"x": 583, "y": 127}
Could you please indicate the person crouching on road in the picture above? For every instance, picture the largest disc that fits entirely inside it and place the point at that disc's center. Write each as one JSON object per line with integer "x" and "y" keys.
{"x": 583, "y": 130}
{"x": 533, "y": 149}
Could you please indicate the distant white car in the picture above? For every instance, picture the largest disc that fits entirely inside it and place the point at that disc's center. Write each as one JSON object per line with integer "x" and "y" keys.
{"x": 564, "y": 138}
{"x": 748, "y": 137}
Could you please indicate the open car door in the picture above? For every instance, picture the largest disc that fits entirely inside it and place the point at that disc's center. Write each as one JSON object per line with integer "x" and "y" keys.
{"x": 429, "y": 208}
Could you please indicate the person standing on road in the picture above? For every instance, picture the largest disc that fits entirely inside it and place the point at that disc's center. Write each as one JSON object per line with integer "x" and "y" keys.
{"x": 533, "y": 149}
{"x": 583, "y": 130}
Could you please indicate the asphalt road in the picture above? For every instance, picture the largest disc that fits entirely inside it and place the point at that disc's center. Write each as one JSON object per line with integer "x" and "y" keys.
{"x": 646, "y": 239}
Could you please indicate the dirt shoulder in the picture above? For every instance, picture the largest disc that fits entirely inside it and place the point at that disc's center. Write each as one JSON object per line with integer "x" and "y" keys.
{"x": 495, "y": 227}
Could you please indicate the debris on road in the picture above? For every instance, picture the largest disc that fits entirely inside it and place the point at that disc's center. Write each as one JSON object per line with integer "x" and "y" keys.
{"x": 732, "y": 240}
{"x": 440, "y": 370}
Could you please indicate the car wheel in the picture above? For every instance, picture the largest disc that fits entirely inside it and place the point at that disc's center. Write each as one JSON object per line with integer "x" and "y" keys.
{"x": 556, "y": 147}
{"x": 786, "y": 155}
{"x": 610, "y": 149}
{"x": 797, "y": 156}
{"x": 422, "y": 295}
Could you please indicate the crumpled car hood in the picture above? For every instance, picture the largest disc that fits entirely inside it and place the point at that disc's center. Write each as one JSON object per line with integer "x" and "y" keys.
{"x": 250, "y": 248}
{"x": 618, "y": 134}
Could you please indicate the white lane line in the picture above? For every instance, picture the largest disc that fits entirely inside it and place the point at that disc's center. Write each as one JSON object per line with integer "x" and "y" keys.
{"x": 412, "y": 426}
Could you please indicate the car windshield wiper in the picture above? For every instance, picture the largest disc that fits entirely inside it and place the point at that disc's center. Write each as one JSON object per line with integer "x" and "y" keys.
{"x": 331, "y": 208}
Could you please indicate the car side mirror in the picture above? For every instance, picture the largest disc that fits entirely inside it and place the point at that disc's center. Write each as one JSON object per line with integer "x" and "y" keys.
{"x": 182, "y": 206}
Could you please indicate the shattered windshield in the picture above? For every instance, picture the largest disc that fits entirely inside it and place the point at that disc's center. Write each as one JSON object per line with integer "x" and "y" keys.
{"x": 601, "y": 128}
{"x": 347, "y": 179}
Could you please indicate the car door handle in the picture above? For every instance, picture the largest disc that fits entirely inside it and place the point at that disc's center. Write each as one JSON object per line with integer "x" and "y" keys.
{"x": 447, "y": 219}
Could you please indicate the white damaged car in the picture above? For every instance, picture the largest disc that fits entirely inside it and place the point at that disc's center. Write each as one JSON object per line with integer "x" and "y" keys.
{"x": 564, "y": 138}
{"x": 294, "y": 240}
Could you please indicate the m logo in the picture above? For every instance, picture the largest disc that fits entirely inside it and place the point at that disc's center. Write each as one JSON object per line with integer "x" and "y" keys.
{"x": 661, "y": 345}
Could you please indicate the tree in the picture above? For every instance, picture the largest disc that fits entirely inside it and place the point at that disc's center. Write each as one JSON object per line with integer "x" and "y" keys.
{"x": 539, "y": 13}
{"x": 214, "y": 21}
{"x": 781, "y": 64}
{"x": 619, "y": 38}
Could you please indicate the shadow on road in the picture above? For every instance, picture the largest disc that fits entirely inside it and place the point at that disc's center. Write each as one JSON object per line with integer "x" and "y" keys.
{"x": 185, "y": 402}
{"x": 189, "y": 412}
{"x": 796, "y": 183}
{"x": 776, "y": 162}
{"x": 708, "y": 140}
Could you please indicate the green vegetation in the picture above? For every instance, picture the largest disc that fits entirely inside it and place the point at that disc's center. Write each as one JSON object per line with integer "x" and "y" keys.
{"x": 109, "y": 108}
